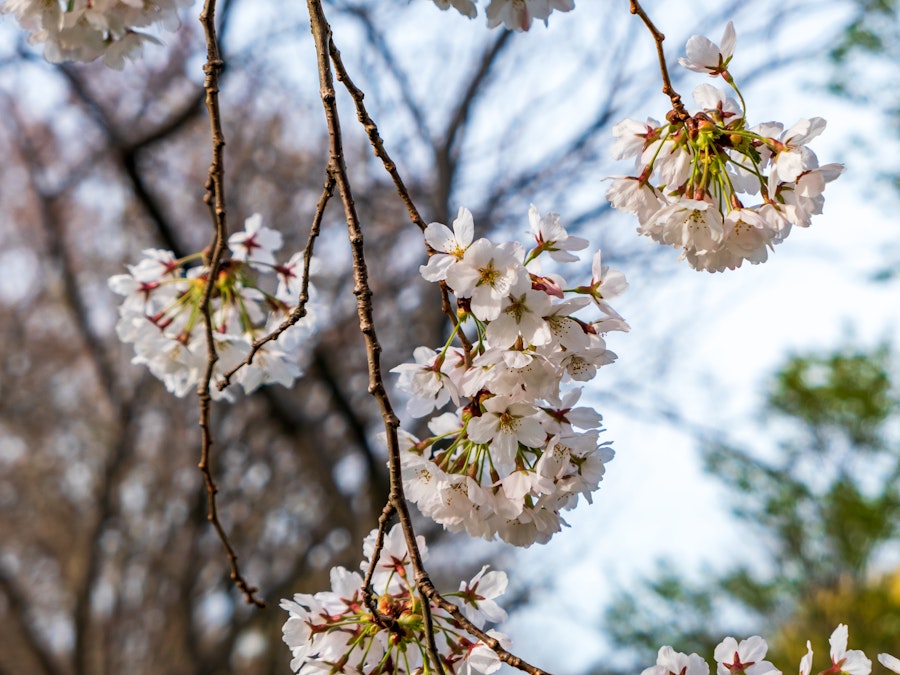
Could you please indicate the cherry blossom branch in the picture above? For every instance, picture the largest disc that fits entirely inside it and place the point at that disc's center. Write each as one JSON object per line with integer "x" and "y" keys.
{"x": 215, "y": 199}
{"x": 300, "y": 310}
{"x": 372, "y": 132}
{"x": 680, "y": 112}
{"x": 397, "y": 500}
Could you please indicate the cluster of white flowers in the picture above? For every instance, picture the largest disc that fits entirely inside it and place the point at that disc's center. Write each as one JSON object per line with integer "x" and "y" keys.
{"x": 161, "y": 313}
{"x": 514, "y": 14}
{"x": 746, "y": 658}
{"x": 690, "y": 172}
{"x": 335, "y": 632}
{"x": 84, "y": 30}
{"x": 517, "y": 450}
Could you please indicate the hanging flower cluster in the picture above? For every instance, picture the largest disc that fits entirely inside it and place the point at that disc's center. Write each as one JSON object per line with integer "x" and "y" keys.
{"x": 746, "y": 658}
{"x": 336, "y": 632}
{"x": 720, "y": 190}
{"x": 161, "y": 313}
{"x": 514, "y": 14}
{"x": 517, "y": 450}
{"x": 84, "y": 30}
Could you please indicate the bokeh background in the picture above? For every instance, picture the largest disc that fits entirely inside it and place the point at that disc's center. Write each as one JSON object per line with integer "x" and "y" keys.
{"x": 754, "y": 413}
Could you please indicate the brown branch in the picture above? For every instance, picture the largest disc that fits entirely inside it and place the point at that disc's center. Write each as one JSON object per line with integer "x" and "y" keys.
{"x": 368, "y": 596}
{"x": 322, "y": 35}
{"x": 680, "y": 113}
{"x": 300, "y": 310}
{"x": 215, "y": 199}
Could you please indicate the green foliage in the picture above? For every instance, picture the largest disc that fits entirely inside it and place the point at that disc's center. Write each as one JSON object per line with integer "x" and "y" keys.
{"x": 821, "y": 506}
{"x": 840, "y": 393}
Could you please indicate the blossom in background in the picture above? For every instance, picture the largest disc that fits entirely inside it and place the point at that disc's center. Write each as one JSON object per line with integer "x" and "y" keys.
{"x": 464, "y": 7}
{"x": 85, "y": 30}
{"x": 516, "y": 451}
{"x": 518, "y": 14}
{"x": 514, "y": 14}
{"x": 160, "y": 313}
{"x": 335, "y": 631}
{"x": 696, "y": 180}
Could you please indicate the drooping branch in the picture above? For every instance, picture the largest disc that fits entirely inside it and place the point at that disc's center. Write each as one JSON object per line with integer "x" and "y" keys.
{"x": 215, "y": 199}
{"x": 397, "y": 501}
{"x": 681, "y": 113}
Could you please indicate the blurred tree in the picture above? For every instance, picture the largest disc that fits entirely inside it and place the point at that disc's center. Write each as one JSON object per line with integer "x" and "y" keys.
{"x": 821, "y": 514}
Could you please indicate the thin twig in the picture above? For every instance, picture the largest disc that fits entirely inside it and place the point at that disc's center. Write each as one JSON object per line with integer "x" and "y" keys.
{"x": 300, "y": 310}
{"x": 372, "y": 132}
{"x": 391, "y": 167}
{"x": 368, "y": 595}
{"x": 681, "y": 114}
{"x": 215, "y": 199}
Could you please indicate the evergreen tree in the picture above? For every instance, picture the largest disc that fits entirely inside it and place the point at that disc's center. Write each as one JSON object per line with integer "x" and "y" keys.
{"x": 825, "y": 508}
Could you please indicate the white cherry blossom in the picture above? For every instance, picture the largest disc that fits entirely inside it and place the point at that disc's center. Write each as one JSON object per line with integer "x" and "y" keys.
{"x": 486, "y": 274}
{"x": 704, "y": 56}
{"x": 518, "y": 14}
{"x": 552, "y": 237}
{"x": 256, "y": 243}
{"x": 744, "y": 658}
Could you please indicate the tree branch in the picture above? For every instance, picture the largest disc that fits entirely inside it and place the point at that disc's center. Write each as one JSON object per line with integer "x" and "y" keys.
{"x": 215, "y": 199}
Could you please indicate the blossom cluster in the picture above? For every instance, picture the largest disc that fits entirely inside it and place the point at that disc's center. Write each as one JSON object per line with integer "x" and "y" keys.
{"x": 518, "y": 449}
{"x": 514, "y": 14}
{"x": 161, "y": 313}
{"x": 709, "y": 184}
{"x": 747, "y": 658}
{"x": 84, "y": 30}
{"x": 336, "y": 631}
